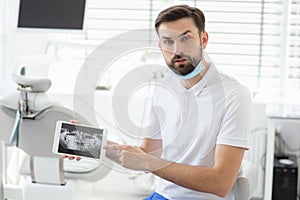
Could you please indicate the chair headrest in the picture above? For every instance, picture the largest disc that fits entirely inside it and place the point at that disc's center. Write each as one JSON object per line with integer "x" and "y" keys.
{"x": 36, "y": 84}
{"x": 36, "y": 101}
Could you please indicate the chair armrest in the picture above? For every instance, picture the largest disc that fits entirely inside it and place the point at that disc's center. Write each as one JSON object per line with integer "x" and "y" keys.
{"x": 246, "y": 181}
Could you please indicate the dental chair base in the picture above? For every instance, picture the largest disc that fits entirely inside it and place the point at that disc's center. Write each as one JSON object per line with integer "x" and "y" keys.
{"x": 246, "y": 182}
{"x": 27, "y": 190}
{"x": 72, "y": 190}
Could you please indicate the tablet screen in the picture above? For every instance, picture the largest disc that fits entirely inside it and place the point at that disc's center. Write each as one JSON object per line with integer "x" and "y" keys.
{"x": 80, "y": 140}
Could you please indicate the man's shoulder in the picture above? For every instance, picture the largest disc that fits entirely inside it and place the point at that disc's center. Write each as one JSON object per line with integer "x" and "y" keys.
{"x": 232, "y": 84}
{"x": 234, "y": 89}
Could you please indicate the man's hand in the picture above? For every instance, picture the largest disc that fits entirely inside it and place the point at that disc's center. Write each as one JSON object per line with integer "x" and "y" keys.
{"x": 133, "y": 157}
{"x": 71, "y": 157}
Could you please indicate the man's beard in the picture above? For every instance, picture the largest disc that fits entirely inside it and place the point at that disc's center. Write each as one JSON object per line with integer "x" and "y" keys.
{"x": 183, "y": 69}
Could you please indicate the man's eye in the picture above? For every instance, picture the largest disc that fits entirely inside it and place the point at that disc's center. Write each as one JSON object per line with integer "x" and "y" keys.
{"x": 185, "y": 38}
{"x": 168, "y": 42}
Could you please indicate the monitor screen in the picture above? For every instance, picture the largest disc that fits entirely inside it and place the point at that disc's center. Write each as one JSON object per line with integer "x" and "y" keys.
{"x": 53, "y": 14}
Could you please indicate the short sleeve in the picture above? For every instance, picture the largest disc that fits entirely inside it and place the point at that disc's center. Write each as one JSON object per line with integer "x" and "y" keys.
{"x": 235, "y": 125}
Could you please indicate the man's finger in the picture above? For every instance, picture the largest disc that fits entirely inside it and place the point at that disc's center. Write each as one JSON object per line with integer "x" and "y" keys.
{"x": 114, "y": 147}
{"x": 74, "y": 121}
{"x": 71, "y": 157}
{"x": 78, "y": 158}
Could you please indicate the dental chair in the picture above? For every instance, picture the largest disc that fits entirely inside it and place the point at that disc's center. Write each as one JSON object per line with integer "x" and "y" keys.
{"x": 246, "y": 182}
{"x": 27, "y": 120}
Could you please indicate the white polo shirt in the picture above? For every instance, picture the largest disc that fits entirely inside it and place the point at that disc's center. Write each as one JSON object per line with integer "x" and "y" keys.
{"x": 217, "y": 110}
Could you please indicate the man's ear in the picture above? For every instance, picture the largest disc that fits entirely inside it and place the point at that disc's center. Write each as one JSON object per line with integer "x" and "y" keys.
{"x": 204, "y": 38}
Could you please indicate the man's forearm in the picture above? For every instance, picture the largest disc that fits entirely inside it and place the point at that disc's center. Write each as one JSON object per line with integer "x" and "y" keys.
{"x": 197, "y": 178}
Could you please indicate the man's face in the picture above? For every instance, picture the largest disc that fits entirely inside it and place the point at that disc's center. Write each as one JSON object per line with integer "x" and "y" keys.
{"x": 181, "y": 44}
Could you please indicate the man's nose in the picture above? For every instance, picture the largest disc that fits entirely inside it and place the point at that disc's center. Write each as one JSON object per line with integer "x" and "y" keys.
{"x": 178, "y": 50}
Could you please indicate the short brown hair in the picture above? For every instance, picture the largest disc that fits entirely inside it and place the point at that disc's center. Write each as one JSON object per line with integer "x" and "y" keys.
{"x": 177, "y": 12}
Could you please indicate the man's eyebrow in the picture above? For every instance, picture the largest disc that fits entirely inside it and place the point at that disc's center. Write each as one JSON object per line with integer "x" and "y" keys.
{"x": 165, "y": 37}
{"x": 184, "y": 33}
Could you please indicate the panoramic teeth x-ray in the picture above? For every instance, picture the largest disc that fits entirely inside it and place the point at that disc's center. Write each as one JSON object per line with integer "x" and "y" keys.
{"x": 79, "y": 140}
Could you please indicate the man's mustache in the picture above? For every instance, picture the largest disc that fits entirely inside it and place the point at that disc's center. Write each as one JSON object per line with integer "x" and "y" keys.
{"x": 177, "y": 57}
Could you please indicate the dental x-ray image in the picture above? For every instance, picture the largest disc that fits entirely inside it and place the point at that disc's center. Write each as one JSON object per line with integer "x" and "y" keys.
{"x": 80, "y": 140}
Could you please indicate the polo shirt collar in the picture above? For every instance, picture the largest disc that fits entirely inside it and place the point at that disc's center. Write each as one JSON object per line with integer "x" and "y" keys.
{"x": 206, "y": 79}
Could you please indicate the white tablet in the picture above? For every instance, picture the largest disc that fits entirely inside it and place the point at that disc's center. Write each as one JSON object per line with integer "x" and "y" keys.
{"x": 79, "y": 140}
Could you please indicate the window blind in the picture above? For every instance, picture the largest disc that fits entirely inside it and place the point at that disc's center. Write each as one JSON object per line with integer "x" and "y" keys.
{"x": 105, "y": 19}
{"x": 245, "y": 37}
{"x": 294, "y": 49}
{"x": 2, "y": 39}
